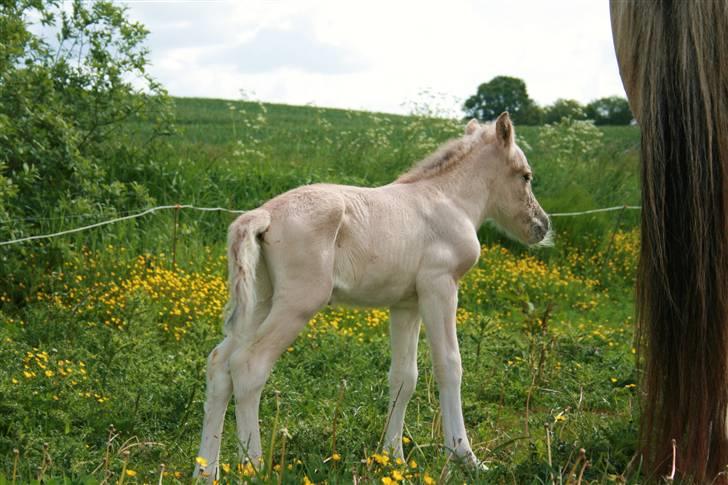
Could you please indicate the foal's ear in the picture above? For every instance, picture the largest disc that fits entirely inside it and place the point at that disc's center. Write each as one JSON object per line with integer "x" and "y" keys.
{"x": 472, "y": 126}
{"x": 504, "y": 129}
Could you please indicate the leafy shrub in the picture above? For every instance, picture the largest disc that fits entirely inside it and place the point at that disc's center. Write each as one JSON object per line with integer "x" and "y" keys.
{"x": 73, "y": 91}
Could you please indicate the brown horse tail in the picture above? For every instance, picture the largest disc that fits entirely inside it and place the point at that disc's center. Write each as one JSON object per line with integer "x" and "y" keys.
{"x": 673, "y": 57}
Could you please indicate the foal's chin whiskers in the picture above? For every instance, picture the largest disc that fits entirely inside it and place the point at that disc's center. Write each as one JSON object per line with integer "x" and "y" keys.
{"x": 546, "y": 242}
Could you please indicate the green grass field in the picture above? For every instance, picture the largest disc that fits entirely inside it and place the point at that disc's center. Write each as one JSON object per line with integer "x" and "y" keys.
{"x": 104, "y": 350}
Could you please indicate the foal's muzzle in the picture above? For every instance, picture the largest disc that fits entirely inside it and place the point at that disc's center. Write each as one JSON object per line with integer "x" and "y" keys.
{"x": 540, "y": 229}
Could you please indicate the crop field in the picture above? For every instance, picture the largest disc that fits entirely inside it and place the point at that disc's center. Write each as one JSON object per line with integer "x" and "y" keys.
{"x": 104, "y": 344}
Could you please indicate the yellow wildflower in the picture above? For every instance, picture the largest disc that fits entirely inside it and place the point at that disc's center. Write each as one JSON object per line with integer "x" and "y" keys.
{"x": 201, "y": 461}
{"x": 130, "y": 472}
{"x": 382, "y": 459}
{"x": 247, "y": 470}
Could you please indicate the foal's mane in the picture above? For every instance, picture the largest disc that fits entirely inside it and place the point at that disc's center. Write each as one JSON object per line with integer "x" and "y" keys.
{"x": 447, "y": 156}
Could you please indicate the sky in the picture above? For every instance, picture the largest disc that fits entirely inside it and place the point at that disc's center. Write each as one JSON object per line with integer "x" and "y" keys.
{"x": 379, "y": 55}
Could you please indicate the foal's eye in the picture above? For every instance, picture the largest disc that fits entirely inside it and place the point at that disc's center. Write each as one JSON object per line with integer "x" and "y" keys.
{"x": 527, "y": 177}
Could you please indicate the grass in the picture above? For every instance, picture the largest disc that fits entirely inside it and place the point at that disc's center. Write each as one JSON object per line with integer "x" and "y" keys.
{"x": 104, "y": 352}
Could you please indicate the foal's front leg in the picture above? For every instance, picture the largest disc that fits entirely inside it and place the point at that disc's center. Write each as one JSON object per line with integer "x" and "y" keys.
{"x": 438, "y": 299}
{"x": 404, "y": 331}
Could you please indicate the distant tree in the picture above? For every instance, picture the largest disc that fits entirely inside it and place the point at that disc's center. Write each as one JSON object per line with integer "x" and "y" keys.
{"x": 613, "y": 110}
{"x": 532, "y": 115}
{"x": 502, "y": 93}
{"x": 564, "y": 108}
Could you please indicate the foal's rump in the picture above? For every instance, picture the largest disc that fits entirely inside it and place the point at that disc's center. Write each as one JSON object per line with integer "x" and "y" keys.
{"x": 287, "y": 239}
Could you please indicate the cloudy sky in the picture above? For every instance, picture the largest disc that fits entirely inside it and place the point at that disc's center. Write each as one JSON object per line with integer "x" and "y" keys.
{"x": 379, "y": 55}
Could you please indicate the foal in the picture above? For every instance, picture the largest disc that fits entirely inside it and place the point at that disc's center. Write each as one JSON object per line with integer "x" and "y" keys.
{"x": 404, "y": 245}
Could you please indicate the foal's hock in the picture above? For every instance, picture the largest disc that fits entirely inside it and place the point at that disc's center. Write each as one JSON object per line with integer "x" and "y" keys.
{"x": 404, "y": 245}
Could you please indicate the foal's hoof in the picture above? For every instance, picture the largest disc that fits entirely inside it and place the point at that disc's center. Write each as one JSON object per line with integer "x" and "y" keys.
{"x": 469, "y": 460}
{"x": 204, "y": 475}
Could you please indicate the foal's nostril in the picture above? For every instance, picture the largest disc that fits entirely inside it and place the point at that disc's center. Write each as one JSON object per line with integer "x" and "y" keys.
{"x": 538, "y": 230}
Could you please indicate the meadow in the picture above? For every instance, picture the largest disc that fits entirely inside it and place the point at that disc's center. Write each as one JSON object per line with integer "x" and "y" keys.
{"x": 104, "y": 343}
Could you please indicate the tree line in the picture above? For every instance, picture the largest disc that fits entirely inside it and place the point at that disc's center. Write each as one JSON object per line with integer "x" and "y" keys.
{"x": 505, "y": 93}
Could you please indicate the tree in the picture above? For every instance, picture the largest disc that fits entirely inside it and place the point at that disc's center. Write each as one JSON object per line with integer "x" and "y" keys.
{"x": 502, "y": 93}
{"x": 612, "y": 110}
{"x": 564, "y": 108}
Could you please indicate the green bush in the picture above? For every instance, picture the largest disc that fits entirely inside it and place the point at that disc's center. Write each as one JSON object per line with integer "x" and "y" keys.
{"x": 73, "y": 89}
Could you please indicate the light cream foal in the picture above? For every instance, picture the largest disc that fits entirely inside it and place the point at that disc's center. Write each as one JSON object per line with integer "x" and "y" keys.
{"x": 404, "y": 245}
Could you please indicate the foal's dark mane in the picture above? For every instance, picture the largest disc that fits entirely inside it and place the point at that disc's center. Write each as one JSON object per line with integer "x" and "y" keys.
{"x": 673, "y": 57}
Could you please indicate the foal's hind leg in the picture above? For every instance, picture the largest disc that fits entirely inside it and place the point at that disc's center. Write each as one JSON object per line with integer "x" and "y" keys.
{"x": 219, "y": 390}
{"x": 250, "y": 367}
{"x": 219, "y": 380}
{"x": 298, "y": 249}
{"x": 302, "y": 281}
{"x": 404, "y": 334}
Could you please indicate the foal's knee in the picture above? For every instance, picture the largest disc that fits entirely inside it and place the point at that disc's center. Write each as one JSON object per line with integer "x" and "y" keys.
{"x": 402, "y": 382}
{"x": 448, "y": 370}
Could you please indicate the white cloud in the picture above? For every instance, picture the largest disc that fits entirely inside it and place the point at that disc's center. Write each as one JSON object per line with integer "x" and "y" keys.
{"x": 377, "y": 54}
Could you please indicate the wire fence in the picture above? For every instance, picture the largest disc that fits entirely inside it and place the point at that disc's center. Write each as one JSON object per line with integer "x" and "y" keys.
{"x": 594, "y": 211}
{"x": 178, "y": 207}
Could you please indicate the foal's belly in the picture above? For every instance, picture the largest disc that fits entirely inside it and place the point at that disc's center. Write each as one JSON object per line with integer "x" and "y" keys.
{"x": 374, "y": 285}
{"x": 371, "y": 297}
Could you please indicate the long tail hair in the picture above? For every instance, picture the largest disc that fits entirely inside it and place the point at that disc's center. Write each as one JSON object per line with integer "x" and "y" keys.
{"x": 243, "y": 257}
{"x": 673, "y": 57}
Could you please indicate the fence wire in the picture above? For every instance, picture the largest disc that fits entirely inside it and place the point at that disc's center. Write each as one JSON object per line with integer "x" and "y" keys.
{"x": 118, "y": 219}
{"x": 594, "y": 211}
{"x": 233, "y": 211}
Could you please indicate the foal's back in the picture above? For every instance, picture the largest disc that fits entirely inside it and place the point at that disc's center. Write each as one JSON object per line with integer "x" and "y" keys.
{"x": 372, "y": 241}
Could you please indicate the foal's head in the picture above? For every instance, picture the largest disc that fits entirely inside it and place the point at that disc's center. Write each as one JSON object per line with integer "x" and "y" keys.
{"x": 511, "y": 203}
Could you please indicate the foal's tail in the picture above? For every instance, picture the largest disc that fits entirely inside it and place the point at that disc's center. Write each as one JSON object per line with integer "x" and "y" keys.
{"x": 243, "y": 256}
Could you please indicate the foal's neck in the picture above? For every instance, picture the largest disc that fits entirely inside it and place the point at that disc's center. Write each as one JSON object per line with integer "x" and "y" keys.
{"x": 467, "y": 186}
